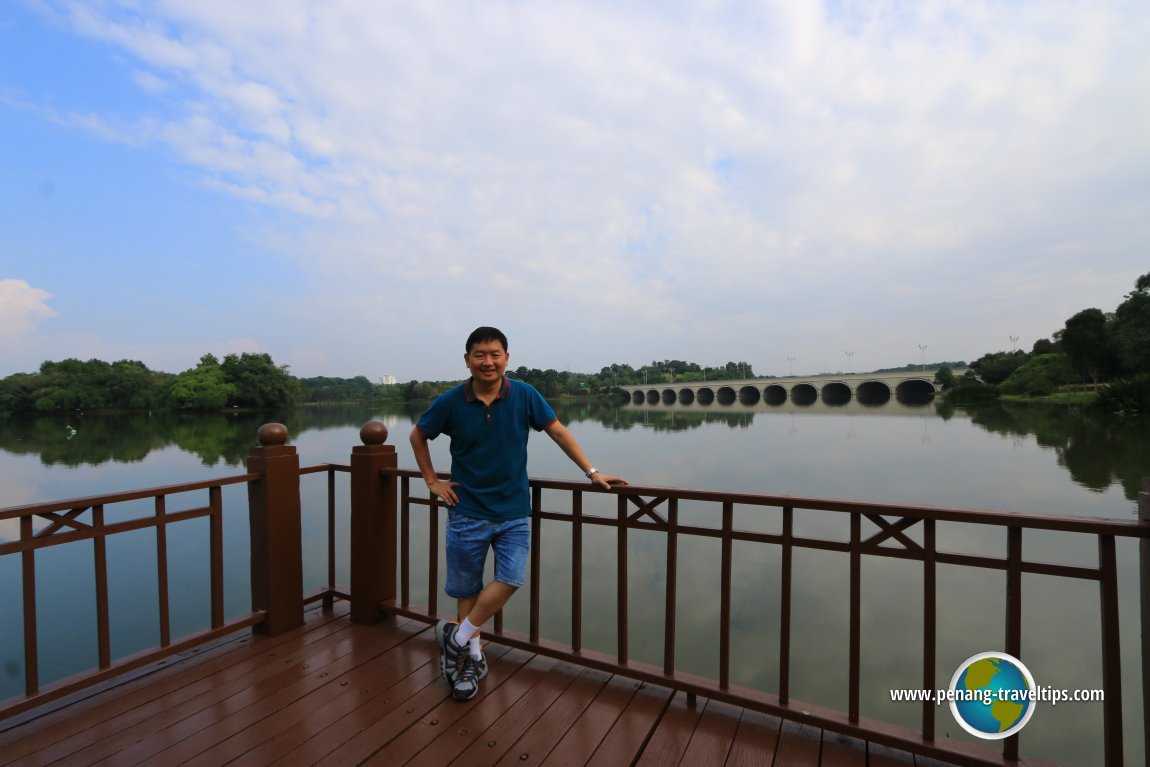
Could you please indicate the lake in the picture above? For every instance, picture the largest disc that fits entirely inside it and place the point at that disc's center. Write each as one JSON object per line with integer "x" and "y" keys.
{"x": 1034, "y": 459}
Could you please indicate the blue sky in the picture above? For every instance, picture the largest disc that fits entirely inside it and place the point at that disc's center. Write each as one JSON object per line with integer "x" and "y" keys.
{"x": 353, "y": 186}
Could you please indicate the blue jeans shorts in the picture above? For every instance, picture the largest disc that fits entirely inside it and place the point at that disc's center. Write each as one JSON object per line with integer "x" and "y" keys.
{"x": 467, "y": 542}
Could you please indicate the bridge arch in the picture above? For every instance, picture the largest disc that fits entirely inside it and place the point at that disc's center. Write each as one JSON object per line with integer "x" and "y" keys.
{"x": 869, "y": 389}
{"x": 915, "y": 391}
{"x": 775, "y": 394}
{"x": 804, "y": 394}
{"x": 835, "y": 393}
{"x": 872, "y": 393}
{"x": 749, "y": 395}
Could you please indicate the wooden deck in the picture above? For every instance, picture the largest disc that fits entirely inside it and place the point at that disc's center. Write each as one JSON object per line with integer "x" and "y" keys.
{"x": 336, "y": 693}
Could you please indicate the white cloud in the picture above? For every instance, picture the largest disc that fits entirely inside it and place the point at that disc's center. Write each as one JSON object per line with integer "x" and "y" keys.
{"x": 22, "y": 307}
{"x": 658, "y": 167}
{"x": 150, "y": 83}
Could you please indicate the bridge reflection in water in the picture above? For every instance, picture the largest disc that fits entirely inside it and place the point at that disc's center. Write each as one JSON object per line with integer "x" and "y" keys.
{"x": 867, "y": 389}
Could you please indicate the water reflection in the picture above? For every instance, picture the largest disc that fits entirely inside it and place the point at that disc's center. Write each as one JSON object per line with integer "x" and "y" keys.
{"x": 1097, "y": 451}
{"x": 216, "y": 438}
{"x": 998, "y": 456}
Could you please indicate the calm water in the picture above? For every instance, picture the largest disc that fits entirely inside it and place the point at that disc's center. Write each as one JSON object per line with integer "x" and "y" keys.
{"x": 1031, "y": 459}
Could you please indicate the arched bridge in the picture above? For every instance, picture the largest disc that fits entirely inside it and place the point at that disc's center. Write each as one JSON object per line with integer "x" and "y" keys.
{"x": 868, "y": 388}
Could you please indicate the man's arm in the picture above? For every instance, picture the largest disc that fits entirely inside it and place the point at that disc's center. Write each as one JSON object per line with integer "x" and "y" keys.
{"x": 441, "y": 487}
{"x": 569, "y": 445}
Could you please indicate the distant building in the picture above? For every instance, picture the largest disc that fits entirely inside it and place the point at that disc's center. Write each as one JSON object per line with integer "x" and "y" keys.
{"x": 388, "y": 380}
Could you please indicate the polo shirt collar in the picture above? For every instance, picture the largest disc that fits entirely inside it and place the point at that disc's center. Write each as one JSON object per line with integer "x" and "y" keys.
{"x": 469, "y": 389}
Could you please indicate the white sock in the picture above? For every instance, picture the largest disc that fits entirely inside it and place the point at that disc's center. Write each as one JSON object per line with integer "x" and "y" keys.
{"x": 476, "y": 648}
{"x": 466, "y": 630}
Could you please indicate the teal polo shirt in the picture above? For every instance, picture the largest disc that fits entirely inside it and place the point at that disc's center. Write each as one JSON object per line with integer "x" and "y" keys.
{"x": 489, "y": 445}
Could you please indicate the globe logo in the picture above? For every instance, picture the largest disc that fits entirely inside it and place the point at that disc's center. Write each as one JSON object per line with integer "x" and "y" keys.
{"x": 992, "y": 695}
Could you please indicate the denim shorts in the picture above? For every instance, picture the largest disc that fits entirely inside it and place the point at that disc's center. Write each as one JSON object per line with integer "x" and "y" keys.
{"x": 467, "y": 542}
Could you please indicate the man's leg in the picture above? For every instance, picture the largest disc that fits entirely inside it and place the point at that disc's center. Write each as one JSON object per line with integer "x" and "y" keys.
{"x": 467, "y": 542}
{"x": 480, "y": 608}
{"x": 477, "y": 610}
{"x": 463, "y": 606}
{"x": 510, "y": 546}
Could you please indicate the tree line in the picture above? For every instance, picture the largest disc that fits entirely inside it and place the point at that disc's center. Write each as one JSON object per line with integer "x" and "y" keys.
{"x": 255, "y": 381}
{"x": 1108, "y": 351}
{"x": 238, "y": 381}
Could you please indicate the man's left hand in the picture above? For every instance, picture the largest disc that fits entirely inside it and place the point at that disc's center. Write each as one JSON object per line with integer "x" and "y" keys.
{"x": 606, "y": 481}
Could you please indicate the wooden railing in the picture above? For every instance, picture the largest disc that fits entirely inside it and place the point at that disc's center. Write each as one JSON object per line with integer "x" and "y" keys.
{"x": 386, "y": 512}
{"x": 656, "y": 510}
{"x": 273, "y": 485}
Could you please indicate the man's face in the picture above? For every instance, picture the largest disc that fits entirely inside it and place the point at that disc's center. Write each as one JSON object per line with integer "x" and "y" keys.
{"x": 486, "y": 361}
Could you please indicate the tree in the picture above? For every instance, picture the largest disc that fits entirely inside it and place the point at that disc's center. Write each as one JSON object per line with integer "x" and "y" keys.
{"x": 18, "y": 393}
{"x": 1132, "y": 329}
{"x": 996, "y": 367}
{"x": 358, "y": 389}
{"x": 1087, "y": 343}
{"x": 259, "y": 382}
{"x": 1040, "y": 376}
{"x": 944, "y": 377}
{"x": 133, "y": 387}
{"x": 203, "y": 387}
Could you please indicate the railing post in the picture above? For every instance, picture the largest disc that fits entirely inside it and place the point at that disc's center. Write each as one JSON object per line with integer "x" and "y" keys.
{"x": 373, "y": 534}
{"x": 1144, "y": 588}
{"x": 274, "y": 514}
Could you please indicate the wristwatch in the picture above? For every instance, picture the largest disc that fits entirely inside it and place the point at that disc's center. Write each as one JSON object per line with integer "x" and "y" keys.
{"x": 591, "y": 471}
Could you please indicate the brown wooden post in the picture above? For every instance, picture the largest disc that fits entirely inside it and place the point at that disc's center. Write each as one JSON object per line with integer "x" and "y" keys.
{"x": 274, "y": 513}
{"x": 373, "y": 534}
{"x": 1144, "y": 572}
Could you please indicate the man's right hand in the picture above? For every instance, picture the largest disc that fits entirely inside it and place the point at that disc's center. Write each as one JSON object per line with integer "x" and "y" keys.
{"x": 444, "y": 489}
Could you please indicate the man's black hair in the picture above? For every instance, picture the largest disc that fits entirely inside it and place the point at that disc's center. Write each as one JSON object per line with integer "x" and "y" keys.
{"x": 485, "y": 334}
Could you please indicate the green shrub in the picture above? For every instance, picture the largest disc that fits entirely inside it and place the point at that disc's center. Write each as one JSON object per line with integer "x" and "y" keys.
{"x": 971, "y": 390}
{"x": 1039, "y": 376}
{"x": 1129, "y": 396}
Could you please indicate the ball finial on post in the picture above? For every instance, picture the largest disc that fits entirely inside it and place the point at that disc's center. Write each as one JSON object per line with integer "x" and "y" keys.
{"x": 271, "y": 434}
{"x": 373, "y": 433}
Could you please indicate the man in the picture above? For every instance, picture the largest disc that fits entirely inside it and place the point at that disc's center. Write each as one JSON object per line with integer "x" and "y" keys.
{"x": 489, "y": 418}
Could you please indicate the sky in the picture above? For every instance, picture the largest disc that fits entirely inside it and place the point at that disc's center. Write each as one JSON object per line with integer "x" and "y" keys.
{"x": 352, "y": 186}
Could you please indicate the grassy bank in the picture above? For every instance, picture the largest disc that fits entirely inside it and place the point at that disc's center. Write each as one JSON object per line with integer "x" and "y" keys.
{"x": 1057, "y": 398}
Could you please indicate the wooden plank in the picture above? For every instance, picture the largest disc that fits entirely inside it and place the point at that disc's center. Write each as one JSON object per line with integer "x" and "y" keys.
{"x": 884, "y": 756}
{"x": 82, "y": 725}
{"x": 241, "y": 710}
{"x": 714, "y": 734}
{"x": 756, "y": 740}
{"x": 393, "y": 701}
{"x": 581, "y": 741}
{"x": 157, "y": 679}
{"x": 634, "y": 727}
{"x": 520, "y": 695}
{"x": 372, "y": 734}
{"x": 284, "y": 733}
{"x": 386, "y": 656}
{"x": 926, "y": 761}
{"x": 672, "y": 734}
{"x": 168, "y": 726}
{"x": 535, "y": 744}
{"x": 798, "y": 745}
{"x": 337, "y": 693}
{"x": 844, "y": 751}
